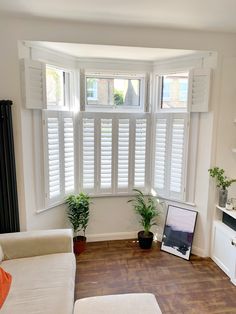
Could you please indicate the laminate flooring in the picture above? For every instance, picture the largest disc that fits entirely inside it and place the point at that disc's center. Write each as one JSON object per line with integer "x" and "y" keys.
{"x": 181, "y": 287}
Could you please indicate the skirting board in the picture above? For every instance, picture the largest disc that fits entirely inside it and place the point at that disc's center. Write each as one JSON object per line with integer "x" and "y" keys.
{"x": 111, "y": 236}
{"x": 130, "y": 235}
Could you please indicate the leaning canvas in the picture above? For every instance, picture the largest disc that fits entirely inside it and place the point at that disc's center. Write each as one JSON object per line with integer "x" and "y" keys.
{"x": 178, "y": 232}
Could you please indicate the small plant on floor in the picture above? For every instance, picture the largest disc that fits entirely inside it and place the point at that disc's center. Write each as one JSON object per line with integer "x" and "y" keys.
{"x": 148, "y": 209}
{"x": 222, "y": 182}
{"x": 78, "y": 215}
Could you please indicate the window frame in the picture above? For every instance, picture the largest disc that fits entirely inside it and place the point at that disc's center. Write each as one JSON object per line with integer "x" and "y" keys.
{"x": 68, "y": 89}
{"x": 158, "y": 91}
{"x": 141, "y": 76}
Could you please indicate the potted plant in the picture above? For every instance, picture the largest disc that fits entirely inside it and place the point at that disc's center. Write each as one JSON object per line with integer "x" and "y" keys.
{"x": 146, "y": 208}
{"x": 223, "y": 182}
{"x": 78, "y": 214}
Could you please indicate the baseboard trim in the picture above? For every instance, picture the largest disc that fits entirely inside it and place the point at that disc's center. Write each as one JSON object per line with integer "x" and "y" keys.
{"x": 111, "y": 236}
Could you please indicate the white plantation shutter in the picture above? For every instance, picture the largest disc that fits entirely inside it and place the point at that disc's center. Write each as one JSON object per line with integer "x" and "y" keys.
{"x": 59, "y": 156}
{"x": 171, "y": 145}
{"x": 140, "y": 153}
{"x": 199, "y": 90}
{"x": 177, "y": 161}
{"x": 34, "y": 84}
{"x": 160, "y": 163}
{"x": 53, "y": 157}
{"x": 69, "y": 158}
{"x": 88, "y": 154}
{"x": 123, "y": 154}
{"x": 106, "y": 155}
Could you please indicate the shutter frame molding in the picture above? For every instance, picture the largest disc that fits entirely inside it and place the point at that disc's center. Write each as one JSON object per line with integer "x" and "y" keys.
{"x": 199, "y": 89}
{"x": 34, "y": 84}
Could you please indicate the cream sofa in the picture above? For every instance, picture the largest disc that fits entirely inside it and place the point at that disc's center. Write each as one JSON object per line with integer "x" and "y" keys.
{"x": 42, "y": 265}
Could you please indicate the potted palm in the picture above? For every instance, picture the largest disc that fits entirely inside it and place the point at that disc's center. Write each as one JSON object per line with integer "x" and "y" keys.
{"x": 223, "y": 182}
{"x": 78, "y": 214}
{"x": 147, "y": 209}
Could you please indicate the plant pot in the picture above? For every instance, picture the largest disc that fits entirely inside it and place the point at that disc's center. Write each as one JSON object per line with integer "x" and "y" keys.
{"x": 223, "y": 195}
{"x": 145, "y": 241}
{"x": 79, "y": 244}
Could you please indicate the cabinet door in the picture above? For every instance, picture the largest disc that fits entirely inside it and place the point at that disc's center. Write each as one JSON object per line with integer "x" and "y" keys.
{"x": 223, "y": 252}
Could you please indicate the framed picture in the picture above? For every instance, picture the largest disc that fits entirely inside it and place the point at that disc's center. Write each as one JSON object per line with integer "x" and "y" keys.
{"x": 178, "y": 231}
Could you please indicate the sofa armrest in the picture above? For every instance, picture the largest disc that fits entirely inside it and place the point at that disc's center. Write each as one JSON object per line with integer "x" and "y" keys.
{"x": 34, "y": 243}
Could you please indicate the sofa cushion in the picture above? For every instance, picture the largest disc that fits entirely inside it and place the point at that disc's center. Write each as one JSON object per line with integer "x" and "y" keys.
{"x": 41, "y": 284}
{"x": 131, "y": 303}
{"x": 5, "y": 283}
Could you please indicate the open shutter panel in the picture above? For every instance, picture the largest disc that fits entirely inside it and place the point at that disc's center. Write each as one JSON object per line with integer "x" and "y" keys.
{"x": 34, "y": 87}
{"x": 52, "y": 158}
{"x": 177, "y": 159}
{"x": 140, "y": 153}
{"x": 160, "y": 162}
{"x": 199, "y": 90}
{"x": 59, "y": 156}
{"x": 69, "y": 159}
{"x": 123, "y": 154}
{"x": 106, "y": 155}
{"x": 88, "y": 158}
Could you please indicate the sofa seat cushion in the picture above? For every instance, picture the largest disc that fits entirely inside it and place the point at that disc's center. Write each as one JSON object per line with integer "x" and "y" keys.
{"x": 41, "y": 284}
{"x": 131, "y": 303}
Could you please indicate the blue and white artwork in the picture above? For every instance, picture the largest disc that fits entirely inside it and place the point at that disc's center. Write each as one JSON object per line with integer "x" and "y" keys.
{"x": 178, "y": 232}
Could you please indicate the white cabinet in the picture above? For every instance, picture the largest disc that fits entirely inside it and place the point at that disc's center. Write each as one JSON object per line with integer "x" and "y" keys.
{"x": 223, "y": 250}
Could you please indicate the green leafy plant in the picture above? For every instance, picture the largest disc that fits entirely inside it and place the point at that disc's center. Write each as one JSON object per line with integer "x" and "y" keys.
{"x": 222, "y": 180}
{"x": 147, "y": 208}
{"x": 118, "y": 98}
{"x": 78, "y": 211}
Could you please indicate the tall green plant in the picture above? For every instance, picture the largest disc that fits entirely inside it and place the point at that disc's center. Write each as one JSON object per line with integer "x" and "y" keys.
{"x": 221, "y": 180}
{"x": 146, "y": 208}
{"x": 78, "y": 211}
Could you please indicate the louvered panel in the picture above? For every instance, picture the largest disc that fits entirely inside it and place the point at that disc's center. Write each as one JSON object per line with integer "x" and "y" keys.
{"x": 200, "y": 90}
{"x": 53, "y": 157}
{"x": 123, "y": 153}
{"x": 177, "y": 155}
{"x": 140, "y": 153}
{"x": 88, "y": 154}
{"x": 34, "y": 84}
{"x": 69, "y": 160}
{"x": 106, "y": 154}
{"x": 160, "y": 153}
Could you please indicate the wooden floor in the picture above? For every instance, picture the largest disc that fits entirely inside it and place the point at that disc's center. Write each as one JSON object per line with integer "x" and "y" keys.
{"x": 189, "y": 287}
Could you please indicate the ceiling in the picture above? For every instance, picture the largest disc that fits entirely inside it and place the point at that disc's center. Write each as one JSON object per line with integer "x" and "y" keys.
{"x": 213, "y": 15}
{"x": 112, "y": 52}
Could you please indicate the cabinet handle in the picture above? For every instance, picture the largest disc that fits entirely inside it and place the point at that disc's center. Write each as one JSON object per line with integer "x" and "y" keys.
{"x": 233, "y": 242}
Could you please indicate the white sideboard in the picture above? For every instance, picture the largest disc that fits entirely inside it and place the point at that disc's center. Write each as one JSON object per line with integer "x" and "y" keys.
{"x": 223, "y": 248}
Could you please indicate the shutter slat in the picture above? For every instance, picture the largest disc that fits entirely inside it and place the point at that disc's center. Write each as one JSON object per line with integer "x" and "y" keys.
{"x": 140, "y": 153}
{"x": 88, "y": 158}
{"x": 123, "y": 153}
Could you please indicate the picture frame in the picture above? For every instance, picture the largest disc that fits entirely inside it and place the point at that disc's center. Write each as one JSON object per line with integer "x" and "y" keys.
{"x": 179, "y": 231}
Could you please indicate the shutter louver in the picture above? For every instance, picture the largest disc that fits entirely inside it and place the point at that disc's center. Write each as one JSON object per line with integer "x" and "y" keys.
{"x": 54, "y": 182}
{"x": 140, "y": 153}
{"x": 88, "y": 154}
{"x": 177, "y": 156}
{"x": 160, "y": 154}
{"x": 34, "y": 89}
{"x": 123, "y": 154}
{"x": 106, "y": 155}
{"x": 69, "y": 162}
{"x": 199, "y": 90}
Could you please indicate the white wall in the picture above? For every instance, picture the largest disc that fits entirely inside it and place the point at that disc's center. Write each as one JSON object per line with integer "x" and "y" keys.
{"x": 113, "y": 215}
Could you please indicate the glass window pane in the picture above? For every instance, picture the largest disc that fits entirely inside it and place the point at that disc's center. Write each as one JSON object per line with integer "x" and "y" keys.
{"x": 55, "y": 86}
{"x": 113, "y": 92}
{"x": 174, "y": 91}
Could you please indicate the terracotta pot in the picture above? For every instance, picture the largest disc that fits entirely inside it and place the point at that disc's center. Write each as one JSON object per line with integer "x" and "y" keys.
{"x": 145, "y": 241}
{"x": 79, "y": 244}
